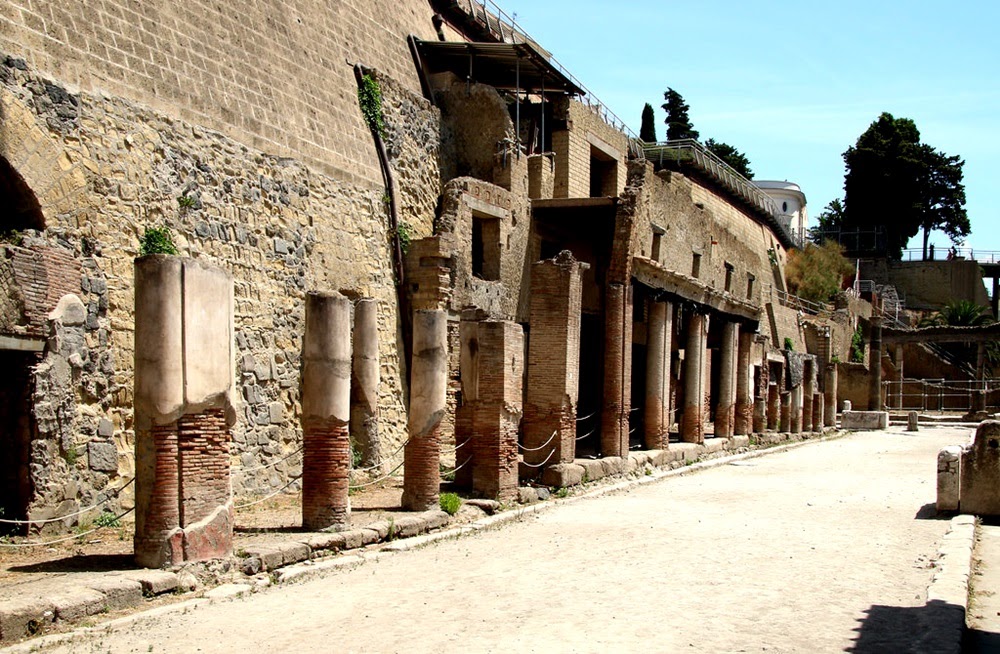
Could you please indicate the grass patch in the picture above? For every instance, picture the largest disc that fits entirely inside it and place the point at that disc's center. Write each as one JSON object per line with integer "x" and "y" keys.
{"x": 450, "y": 503}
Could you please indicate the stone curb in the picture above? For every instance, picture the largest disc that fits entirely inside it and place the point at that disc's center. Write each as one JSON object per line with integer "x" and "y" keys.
{"x": 948, "y": 593}
{"x": 290, "y": 561}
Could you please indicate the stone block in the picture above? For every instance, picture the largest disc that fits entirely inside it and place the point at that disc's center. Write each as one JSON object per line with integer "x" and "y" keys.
{"x": 949, "y": 463}
{"x": 410, "y": 525}
{"x": 292, "y": 552}
{"x": 528, "y": 495}
{"x": 912, "y": 421}
{"x": 334, "y": 541}
{"x": 592, "y": 468}
{"x": 864, "y": 420}
{"x": 21, "y": 617}
{"x": 980, "y": 471}
{"x": 105, "y": 428}
{"x": 74, "y": 603}
{"x": 154, "y": 582}
{"x": 739, "y": 442}
{"x": 269, "y": 557}
{"x": 102, "y": 456}
{"x": 563, "y": 474}
{"x": 119, "y": 592}
{"x": 435, "y": 519}
{"x": 353, "y": 539}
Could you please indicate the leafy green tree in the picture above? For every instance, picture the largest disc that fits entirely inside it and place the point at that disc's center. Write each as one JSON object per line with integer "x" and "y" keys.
{"x": 678, "y": 123}
{"x": 832, "y": 217}
{"x": 647, "y": 131}
{"x": 896, "y": 182}
{"x": 817, "y": 272}
{"x": 959, "y": 313}
{"x": 736, "y": 159}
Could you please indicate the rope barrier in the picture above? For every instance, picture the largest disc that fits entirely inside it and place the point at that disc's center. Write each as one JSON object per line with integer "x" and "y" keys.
{"x": 539, "y": 465}
{"x": 64, "y": 539}
{"x": 384, "y": 459}
{"x": 456, "y": 448}
{"x": 445, "y": 473}
{"x": 541, "y": 447}
{"x": 269, "y": 465}
{"x": 375, "y": 481}
{"x": 267, "y": 497}
{"x": 587, "y": 417}
{"x": 580, "y": 438}
{"x": 114, "y": 493}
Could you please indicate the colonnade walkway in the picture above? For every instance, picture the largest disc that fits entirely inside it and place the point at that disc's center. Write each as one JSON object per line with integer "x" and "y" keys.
{"x": 819, "y": 548}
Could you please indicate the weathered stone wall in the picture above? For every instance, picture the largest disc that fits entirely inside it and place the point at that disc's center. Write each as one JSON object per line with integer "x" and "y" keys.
{"x": 278, "y": 225}
{"x": 270, "y": 74}
{"x": 929, "y": 284}
{"x": 578, "y": 129}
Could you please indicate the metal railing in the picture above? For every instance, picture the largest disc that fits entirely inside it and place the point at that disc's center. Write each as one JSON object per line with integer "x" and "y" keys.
{"x": 691, "y": 152}
{"x": 505, "y": 28}
{"x": 797, "y": 303}
{"x": 948, "y": 254}
{"x": 941, "y": 395}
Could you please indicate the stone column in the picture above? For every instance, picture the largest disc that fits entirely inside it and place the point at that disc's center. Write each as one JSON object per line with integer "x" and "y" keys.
{"x": 657, "y": 408}
{"x": 795, "y": 410}
{"x": 183, "y": 410}
{"x": 693, "y": 421}
{"x": 875, "y": 365}
{"x": 830, "y": 396}
{"x": 817, "y": 413}
{"x": 774, "y": 408}
{"x": 326, "y": 412}
{"x": 553, "y": 360}
{"x": 365, "y": 379}
{"x": 725, "y": 410}
{"x": 759, "y": 415}
{"x": 428, "y": 393}
{"x": 617, "y": 369}
{"x": 785, "y": 425}
{"x": 808, "y": 388}
{"x": 744, "y": 399}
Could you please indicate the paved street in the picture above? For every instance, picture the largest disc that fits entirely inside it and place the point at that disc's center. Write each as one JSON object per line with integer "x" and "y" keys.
{"x": 807, "y": 550}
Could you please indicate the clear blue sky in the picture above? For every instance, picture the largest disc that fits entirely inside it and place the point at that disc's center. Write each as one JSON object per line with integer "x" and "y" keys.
{"x": 792, "y": 84}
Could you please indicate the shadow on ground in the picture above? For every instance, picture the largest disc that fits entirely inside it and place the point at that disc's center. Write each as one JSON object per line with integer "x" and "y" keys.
{"x": 82, "y": 563}
{"x": 930, "y": 512}
{"x": 935, "y": 627}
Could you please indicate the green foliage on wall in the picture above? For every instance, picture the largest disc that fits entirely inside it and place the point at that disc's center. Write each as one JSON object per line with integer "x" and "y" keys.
{"x": 157, "y": 240}
{"x": 370, "y": 101}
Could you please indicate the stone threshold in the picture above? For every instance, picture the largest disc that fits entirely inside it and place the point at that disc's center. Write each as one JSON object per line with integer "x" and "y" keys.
{"x": 29, "y": 611}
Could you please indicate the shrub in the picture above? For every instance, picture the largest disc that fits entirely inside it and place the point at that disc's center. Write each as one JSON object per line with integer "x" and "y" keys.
{"x": 157, "y": 240}
{"x": 450, "y": 503}
{"x": 107, "y": 519}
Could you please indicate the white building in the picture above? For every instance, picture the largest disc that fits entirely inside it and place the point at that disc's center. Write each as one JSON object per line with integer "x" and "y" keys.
{"x": 791, "y": 203}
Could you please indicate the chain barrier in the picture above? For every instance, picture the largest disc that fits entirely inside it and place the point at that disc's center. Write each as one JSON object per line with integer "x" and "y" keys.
{"x": 114, "y": 494}
{"x": 64, "y": 538}
{"x": 541, "y": 447}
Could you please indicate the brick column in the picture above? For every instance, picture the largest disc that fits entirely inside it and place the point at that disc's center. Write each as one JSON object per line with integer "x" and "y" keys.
{"x": 875, "y": 365}
{"x": 365, "y": 379}
{"x": 183, "y": 410}
{"x": 744, "y": 396}
{"x": 693, "y": 421}
{"x": 830, "y": 396}
{"x": 496, "y": 360}
{"x": 657, "y": 407}
{"x": 773, "y": 407}
{"x": 817, "y": 413}
{"x": 725, "y": 410}
{"x": 326, "y": 412}
{"x": 785, "y": 424}
{"x": 428, "y": 395}
{"x": 553, "y": 360}
{"x": 617, "y": 370}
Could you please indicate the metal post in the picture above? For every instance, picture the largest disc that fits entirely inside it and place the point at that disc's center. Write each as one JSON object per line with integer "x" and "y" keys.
{"x": 517, "y": 102}
{"x": 542, "y": 148}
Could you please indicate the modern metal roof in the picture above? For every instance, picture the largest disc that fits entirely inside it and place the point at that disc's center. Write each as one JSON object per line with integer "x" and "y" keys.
{"x": 506, "y": 66}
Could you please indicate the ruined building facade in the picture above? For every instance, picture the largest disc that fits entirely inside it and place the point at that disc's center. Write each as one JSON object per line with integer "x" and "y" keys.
{"x": 238, "y": 126}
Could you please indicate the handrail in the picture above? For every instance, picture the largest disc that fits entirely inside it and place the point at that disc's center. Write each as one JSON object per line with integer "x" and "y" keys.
{"x": 949, "y": 254}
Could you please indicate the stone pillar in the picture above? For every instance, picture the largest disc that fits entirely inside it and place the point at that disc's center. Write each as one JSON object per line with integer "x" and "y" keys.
{"x": 553, "y": 360}
{"x": 183, "y": 410}
{"x": 875, "y": 365}
{"x": 808, "y": 388}
{"x": 744, "y": 399}
{"x": 657, "y": 408}
{"x": 774, "y": 408}
{"x": 900, "y": 376}
{"x": 365, "y": 379}
{"x": 725, "y": 410}
{"x": 617, "y": 370}
{"x": 912, "y": 420}
{"x": 949, "y": 475}
{"x": 817, "y": 413}
{"x": 795, "y": 410}
{"x": 428, "y": 393}
{"x": 785, "y": 425}
{"x": 492, "y": 368}
{"x": 693, "y": 421}
{"x": 759, "y": 415}
{"x": 326, "y": 412}
{"x": 830, "y": 396}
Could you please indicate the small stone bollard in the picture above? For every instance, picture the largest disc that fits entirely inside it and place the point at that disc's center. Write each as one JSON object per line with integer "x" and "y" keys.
{"x": 949, "y": 461}
{"x": 911, "y": 421}
{"x": 847, "y": 406}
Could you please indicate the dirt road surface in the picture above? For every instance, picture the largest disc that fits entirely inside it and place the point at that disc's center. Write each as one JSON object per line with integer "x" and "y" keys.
{"x": 822, "y": 548}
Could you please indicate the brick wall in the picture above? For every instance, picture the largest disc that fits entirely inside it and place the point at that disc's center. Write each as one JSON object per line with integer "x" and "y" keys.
{"x": 269, "y": 73}
{"x": 583, "y": 129}
{"x": 38, "y": 277}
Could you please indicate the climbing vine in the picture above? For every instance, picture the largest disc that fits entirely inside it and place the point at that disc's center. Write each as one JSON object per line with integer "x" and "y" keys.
{"x": 858, "y": 345}
{"x": 370, "y": 101}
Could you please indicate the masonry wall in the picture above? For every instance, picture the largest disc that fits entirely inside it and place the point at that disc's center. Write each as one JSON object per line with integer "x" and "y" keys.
{"x": 271, "y": 74}
{"x": 105, "y": 168}
{"x": 578, "y": 128}
{"x": 929, "y": 284}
